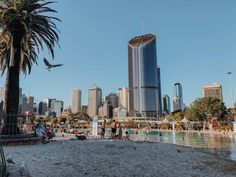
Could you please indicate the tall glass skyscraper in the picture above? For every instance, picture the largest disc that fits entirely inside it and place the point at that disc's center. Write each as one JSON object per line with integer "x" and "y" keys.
{"x": 159, "y": 101}
{"x": 166, "y": 105}
{"x": 178, "y": 97}
{"x": 143, "y": 81}
{"x": 112, "y": 99}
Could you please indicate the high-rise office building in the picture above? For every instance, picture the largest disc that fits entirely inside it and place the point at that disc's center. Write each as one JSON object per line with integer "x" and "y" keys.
{"x": 21, "y": 104}
{"x": 94, "y": 100}
{"x": 112, "y": 99}
{"x": 143, "y": 81}
{"x": 213, "y": 90}
{"x": 178, "y": 97}
{"x": 166, "y": 105}
{"x": 2, "y": 93}
{"x": 57, "y": 106}
{"x": 42, "y": 108}
{"x": 123, "y": 98}
{"x": 49, "y": 103}
{"x": 36, "y": 106}
{"x": 159, "y": 97}
{"x": 1, "y": 110}
{"x": 76, "y": 101}
{"x": 105, "y": 110}
{"x": 28, "y": 104}
{"x": 120, "y": 113}
{"x": 21, "y": 97}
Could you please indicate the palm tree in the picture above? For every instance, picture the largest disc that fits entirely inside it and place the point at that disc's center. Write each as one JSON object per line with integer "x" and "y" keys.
{"x": 25, "y": 30}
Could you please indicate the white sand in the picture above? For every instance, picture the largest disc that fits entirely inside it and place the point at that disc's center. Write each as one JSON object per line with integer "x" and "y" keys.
{"x": 95, "y": 157}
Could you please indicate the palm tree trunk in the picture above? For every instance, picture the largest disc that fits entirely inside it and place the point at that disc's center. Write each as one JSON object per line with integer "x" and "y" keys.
{"x": 12, "y": 89}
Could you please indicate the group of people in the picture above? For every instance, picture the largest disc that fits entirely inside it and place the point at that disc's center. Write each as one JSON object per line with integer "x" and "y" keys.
{"x": 116, "y": 130}
{"x": 46, "y": 133}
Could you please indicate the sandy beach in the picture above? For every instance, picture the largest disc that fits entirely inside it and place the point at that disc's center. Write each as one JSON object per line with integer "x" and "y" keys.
{"x": 96, "y": 157}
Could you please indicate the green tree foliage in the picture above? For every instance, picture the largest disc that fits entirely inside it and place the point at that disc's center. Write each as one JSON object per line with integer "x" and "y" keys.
{"x": 205, "y": 108}
{"x": 178, "y": 115}
{"x": 82, "y": 115}
{"x": 25, "y": 30}
{"x": 38, "y": 119}
{"x": 231, "y": 114}
{"x": 53, "y": 120}
{"x": 61, "y": 119}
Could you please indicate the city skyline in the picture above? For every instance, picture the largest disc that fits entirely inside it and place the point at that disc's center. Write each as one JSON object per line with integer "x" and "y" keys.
{"x": 194, "y": 48}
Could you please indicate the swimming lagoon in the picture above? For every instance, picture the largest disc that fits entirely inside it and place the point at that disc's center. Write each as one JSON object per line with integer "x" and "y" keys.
{"x": 211, "y": 140}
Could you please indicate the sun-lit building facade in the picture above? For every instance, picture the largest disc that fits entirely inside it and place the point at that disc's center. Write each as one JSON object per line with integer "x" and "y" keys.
{"x": 76, "y": 101}
{"x": 213, "y": 90}
{"x": 94, "y": 100}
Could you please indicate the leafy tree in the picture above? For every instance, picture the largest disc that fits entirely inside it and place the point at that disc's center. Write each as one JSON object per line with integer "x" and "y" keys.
{"x": 53, "y": 120}
{"x": 204, "y": 108}
{"x": 61, "y": 119}
{"x": 230, "y": 114}
{"x": 178, "y": 115}
{"x": 25, "y": 29}
{"x": 38, "y": 119}
{"x": 82, "y": 115}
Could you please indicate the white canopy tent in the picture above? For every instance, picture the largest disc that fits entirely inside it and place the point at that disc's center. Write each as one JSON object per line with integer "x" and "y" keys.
{"x": 165, "y": 121}
{"x": 184, "y": 120}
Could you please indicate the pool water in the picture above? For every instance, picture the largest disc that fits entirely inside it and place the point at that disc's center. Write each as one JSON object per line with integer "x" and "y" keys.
{"x": 226, "y": 143}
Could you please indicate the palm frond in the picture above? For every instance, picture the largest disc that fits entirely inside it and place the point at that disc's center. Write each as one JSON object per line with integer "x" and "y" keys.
{"x": 39, "y": 30}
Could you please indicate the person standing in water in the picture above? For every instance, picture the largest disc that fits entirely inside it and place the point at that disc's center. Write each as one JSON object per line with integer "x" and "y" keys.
{"x": 103, "y": 128}
{"x": 120, "y": 131}
{"x": 113, "y": 129}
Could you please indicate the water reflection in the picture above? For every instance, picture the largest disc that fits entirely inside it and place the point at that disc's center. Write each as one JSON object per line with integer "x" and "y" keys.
{"x": 193, "y": 139}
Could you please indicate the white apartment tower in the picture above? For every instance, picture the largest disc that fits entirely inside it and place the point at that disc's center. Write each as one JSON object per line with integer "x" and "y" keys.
{"x": 94, "y": 100}
{"x": 57, "y": 106}
{"x": 76, "y": 101}
{"x": 123, "y": 98}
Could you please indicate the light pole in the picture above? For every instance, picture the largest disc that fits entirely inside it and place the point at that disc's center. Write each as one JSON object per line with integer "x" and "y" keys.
{"x": 231, "y": 87}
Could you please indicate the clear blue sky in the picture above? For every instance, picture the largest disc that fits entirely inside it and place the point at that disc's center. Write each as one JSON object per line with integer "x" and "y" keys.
{"x": 196, "y": 45}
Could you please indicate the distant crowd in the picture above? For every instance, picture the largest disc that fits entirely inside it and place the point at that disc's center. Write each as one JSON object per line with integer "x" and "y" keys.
{"x": 116, "y": 130}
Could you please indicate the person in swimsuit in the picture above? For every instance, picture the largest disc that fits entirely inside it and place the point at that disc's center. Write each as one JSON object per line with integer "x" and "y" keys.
{"x": 113, "y": 129}
{"x": 103, "y": 128}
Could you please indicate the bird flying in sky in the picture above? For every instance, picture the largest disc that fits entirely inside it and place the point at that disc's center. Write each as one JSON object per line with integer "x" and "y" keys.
{"x": 49, "y": 66}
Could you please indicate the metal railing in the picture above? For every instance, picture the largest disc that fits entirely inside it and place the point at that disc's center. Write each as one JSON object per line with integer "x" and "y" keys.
{"x": 13, "y": 127}
{"x": 16, "y": 125}
{"x": 2, "y": 161}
